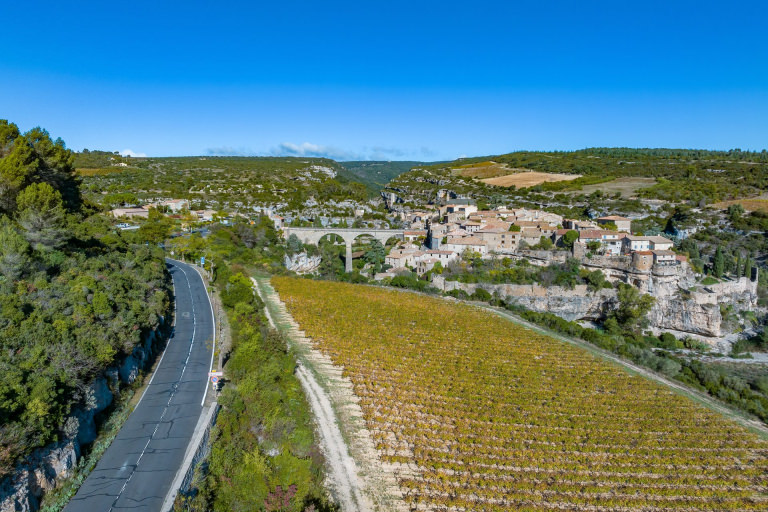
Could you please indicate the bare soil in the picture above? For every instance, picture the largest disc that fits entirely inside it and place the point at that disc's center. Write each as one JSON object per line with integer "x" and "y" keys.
{"x": 528, "y": 179}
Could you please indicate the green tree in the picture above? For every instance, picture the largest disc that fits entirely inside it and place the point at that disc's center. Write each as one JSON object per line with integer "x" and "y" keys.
{"x": 375, "y": 255}
{"x": 718, "y": 263}
{"x": 157, "y": 227}
{"x": 633, "y": 306}
{"x": 570, "y": 237}
{"x": 294, "y": 244}
{"x": 41, "y": 214}
{"x": 14, "y": 251}
{"x": 735, "y": 211}
{"x": 15, "y": 171}
{"x": 748, "y": 264}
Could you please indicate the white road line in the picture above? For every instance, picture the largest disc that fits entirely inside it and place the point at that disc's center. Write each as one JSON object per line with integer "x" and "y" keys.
{"x": 173, "y": 393}
{"x": 213, "y": 344}
{"x": 213, "y": 319}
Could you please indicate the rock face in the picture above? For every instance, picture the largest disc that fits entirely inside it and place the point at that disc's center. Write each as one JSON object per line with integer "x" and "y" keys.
{"x": 301, "y": 263}
{"x": 681, "y": 305}
{"x": 39, "y": 474}
{"x": 571, "y": 304}
{"x": 698, "y": 312}
{"x": 47, "y": 466}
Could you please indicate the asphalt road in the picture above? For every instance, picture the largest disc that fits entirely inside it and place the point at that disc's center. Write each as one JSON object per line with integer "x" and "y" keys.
{"x": 137, "y": 469}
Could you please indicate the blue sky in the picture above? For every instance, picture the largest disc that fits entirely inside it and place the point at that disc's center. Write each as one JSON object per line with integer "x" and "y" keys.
{"x": 387, "y": 80}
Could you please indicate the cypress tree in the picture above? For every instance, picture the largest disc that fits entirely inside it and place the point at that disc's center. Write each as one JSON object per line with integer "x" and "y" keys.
{"x": 748, "y": 267}
{"x": 718, "y": 264}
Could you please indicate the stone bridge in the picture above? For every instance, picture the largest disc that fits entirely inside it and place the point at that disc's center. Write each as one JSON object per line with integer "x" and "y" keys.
{"x": 314, "y": 235}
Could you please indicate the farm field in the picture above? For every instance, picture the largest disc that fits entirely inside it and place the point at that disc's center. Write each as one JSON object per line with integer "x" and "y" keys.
{"x": 482, "y": 414}
{"x": 628, "y": 186}
{"x": 528, "y": 179}
{"x": 482, "y": 170}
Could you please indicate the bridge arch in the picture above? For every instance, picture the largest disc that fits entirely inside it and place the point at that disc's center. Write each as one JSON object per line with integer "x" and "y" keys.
{"x": 314, "y": 235}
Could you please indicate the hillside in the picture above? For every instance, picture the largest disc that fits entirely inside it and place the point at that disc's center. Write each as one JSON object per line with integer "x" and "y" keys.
{"x": 697, "y": 176}
{"x": 75, "y": 297}
{"x": 226, "y": 182}
{"x": 376, "y": 174}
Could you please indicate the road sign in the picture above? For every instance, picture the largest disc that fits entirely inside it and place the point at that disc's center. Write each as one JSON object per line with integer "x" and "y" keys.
{"x": 202, "y": 261}
{"x": 215, "y": 374}
{"x": 214, "y": 380}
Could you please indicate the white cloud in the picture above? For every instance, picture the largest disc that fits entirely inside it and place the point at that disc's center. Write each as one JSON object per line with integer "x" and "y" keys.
{"x": 307, "y": 149}
{"x": 131, "y": 153}
{"x": 230, "y": 151}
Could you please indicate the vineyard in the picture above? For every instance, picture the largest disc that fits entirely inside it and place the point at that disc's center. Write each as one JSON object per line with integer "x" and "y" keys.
{"x": 482, "y": 414}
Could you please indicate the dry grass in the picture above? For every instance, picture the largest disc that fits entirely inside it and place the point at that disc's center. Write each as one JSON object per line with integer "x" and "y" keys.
{"x": 627, "y": 186}
{"x": 528, "y": 179}
{"x": 482, "y": 170}
{"x": 98, "y": 171}
{"x": 750, "y": 205}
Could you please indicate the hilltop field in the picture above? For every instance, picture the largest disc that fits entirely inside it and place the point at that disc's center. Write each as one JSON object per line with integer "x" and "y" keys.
{"x": 674, "y": 175}
{"x": 501, "y": 175}
{"x": 481, "y": 414}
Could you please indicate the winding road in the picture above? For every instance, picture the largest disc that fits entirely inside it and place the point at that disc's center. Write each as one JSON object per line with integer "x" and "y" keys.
{"x": 137, "y": 470}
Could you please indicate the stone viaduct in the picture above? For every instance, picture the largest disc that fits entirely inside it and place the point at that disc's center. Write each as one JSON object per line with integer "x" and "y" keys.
{"x": 313, "y": 236}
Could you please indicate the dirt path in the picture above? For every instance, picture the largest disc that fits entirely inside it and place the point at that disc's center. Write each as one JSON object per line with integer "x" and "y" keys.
{"x": 357, "y": 478}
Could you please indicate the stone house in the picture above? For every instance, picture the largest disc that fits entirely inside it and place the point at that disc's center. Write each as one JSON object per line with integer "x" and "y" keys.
{"x": 499, "y": 238}
{"x": 459, "y": 245}
{"x": 622, "y": 223}
{"x": 130, "y": 212}
{"x": 610, "y": 241}
{"x": 664, "y": 258}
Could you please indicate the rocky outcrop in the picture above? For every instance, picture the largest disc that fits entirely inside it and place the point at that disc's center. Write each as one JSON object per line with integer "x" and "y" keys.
{"x": 697, "y": 310}
{"x": 681, "y": 305}
{"x": 301, "y": 263}
{"x": 81, "y": 424}
{"x": 46, "y": 467}
{"x": 40, "y": 473}
{"x": 571, "y": 304}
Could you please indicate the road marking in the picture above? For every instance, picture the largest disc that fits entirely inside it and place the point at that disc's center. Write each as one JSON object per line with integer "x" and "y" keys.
{"x": 173, "y": 393}
{"x": 213, "y": 319}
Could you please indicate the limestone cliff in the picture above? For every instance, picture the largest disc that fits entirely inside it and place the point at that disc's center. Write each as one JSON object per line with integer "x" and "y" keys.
{"x": 571, "y": 304}
{"x": 46, "y": 467}
{"x": 681, "y": 305}
{"x": 697, "y": 309}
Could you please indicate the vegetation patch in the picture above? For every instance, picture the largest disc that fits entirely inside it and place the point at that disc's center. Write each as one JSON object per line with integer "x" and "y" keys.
{"x": 750, "y": 205}
{"x": 627, "y": 186}
{"x": 485, "y": 416}
{"x": 75, "y": 296}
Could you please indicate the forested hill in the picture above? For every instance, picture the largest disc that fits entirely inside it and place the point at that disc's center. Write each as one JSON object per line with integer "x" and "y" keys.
{"x": 74, "y": 295}
{"x": 224, "y": 182}
{"x": 376, "y": 174}
{"x": 698, "y": 176}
